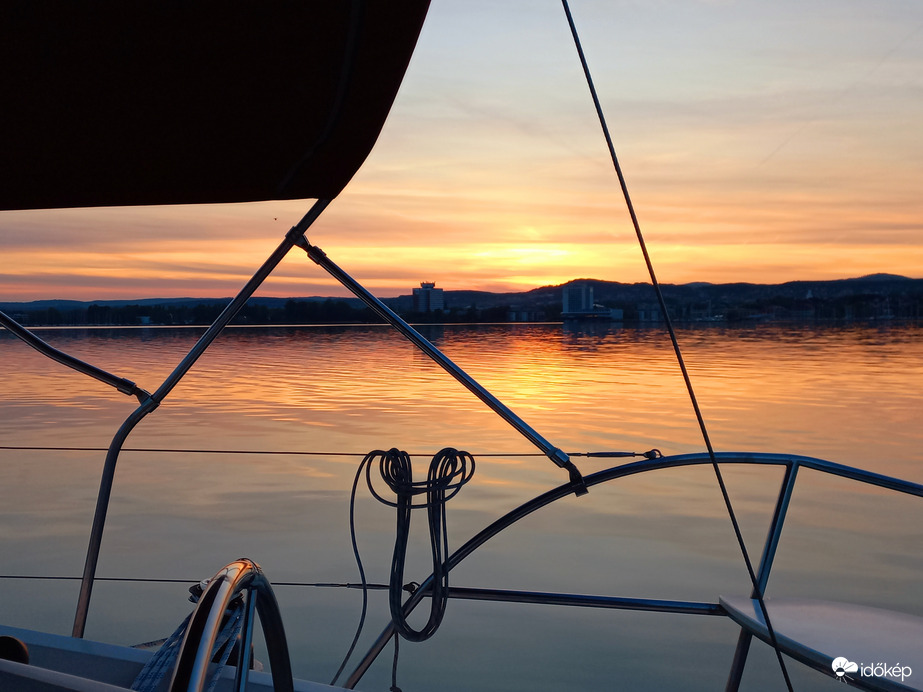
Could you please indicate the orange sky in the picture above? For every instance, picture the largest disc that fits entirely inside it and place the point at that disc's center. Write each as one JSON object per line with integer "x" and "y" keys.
{"x": 762, "y": 142}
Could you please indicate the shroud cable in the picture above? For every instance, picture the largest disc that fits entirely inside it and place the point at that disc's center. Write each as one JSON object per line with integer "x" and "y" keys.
{"x": 757, "y": 591}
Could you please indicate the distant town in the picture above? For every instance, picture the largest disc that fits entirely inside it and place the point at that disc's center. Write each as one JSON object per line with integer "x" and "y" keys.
{"x": 875, "y": 297}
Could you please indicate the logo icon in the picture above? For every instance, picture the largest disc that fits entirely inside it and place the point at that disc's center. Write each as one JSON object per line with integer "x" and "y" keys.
{"x": 842, "y": 665}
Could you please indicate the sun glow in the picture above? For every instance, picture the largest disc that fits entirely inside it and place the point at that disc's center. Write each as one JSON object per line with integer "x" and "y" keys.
{"x": 744, "y": 164}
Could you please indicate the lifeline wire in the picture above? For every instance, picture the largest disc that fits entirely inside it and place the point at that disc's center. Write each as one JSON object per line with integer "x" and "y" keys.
{"x": 679, "y": 356}
{"x": 650, "y": 454}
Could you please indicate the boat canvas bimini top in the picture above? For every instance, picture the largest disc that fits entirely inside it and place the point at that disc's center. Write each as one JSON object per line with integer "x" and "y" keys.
{"x": 125, "y": 104}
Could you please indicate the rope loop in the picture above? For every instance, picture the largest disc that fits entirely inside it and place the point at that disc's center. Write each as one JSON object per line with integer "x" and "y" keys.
{"x": 448, "y": 471}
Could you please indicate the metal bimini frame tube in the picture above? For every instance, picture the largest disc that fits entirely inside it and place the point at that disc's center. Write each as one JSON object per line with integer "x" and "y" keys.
{"x": 556, "y": 455}
{"x": 125, "y": 386}
{"x": 791, "y": 463}
{"x": 153, "y": 401}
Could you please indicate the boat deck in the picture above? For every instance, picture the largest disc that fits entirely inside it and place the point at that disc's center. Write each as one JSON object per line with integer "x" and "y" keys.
{"x": 884, "y": 645}
{"x": 67, "y": 664}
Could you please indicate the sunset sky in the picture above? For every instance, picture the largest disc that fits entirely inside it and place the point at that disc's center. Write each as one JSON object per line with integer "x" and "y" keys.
{"x": 762, "y": 142}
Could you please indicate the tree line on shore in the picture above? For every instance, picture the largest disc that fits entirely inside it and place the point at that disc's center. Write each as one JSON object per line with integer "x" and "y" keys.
{"x": 294, "y": 311}
{"x": 860, "y": 306}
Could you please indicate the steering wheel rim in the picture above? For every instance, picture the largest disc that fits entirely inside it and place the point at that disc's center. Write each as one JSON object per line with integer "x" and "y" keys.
{"x": 242, "y": 575}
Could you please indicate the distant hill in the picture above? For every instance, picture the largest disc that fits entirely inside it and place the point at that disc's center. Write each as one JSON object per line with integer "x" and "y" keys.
{"x": 60, "y": 304}
{"x": 876, "y": 296}
{"x": 881, "y": 277}
{"x": 613, "y": 291}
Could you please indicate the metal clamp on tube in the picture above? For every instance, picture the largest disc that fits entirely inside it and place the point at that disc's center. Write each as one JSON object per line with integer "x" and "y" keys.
{"x": 556, "y": 455}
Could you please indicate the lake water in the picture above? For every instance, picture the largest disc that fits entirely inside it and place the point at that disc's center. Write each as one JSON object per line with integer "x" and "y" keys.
{"x": 848, "y": 394}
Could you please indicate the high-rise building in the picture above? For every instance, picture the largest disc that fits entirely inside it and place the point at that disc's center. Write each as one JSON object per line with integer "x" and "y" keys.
{"x": 428, "y": 298}
{"x": 577, "y": 304}
{"x": 577, "y": 298}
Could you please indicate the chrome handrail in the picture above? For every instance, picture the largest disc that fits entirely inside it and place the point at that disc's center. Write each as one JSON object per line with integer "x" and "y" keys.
{"x": 205, "y": 624}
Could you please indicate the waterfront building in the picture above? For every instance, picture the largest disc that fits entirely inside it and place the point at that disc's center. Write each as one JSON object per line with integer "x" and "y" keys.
{"x": 428, "y": 298}
{"x": 577, "y": 304}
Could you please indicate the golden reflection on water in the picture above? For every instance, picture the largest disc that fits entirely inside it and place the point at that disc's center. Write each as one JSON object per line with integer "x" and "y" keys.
{"x": 756, "y": 387}
{"x": 850, "y": 395}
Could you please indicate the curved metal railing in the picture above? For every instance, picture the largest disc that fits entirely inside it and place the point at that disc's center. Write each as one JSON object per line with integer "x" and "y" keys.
{"x": 792, "y": 463}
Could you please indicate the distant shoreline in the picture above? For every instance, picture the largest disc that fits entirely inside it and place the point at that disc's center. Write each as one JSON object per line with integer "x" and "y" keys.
{"x": 743, "y": 324}
{"x": 879, "y": 297}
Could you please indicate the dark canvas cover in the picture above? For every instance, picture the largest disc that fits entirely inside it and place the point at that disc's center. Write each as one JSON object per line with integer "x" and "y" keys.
{"x": 133, "y": 102}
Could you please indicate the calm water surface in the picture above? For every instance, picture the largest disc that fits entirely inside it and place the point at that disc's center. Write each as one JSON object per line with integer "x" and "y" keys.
{"x": 850, "y": 395}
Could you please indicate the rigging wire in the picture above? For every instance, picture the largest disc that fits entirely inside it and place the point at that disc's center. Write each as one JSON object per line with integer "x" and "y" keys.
{"x": 164, "y": 580}
{"x": 757, "y": 591}
{"x": 650, "y": 454}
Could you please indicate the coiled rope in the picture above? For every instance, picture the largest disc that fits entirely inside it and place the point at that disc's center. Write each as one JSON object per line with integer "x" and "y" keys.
{"x": 448, "y": 471}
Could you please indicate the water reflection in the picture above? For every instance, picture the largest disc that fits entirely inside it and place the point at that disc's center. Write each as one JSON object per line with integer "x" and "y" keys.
{"x": 847, "y": 394}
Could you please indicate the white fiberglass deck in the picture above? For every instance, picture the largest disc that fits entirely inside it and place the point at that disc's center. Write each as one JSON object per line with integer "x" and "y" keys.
{"x": 67, "y": 664}
{"x": 884, "y": 645}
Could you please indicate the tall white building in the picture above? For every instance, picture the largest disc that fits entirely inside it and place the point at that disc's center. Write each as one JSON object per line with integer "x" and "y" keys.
{"x": 428, "y": 298}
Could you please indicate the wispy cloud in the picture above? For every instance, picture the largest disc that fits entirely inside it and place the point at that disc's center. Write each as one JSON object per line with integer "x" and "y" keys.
{"x": 761, "y": 141}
